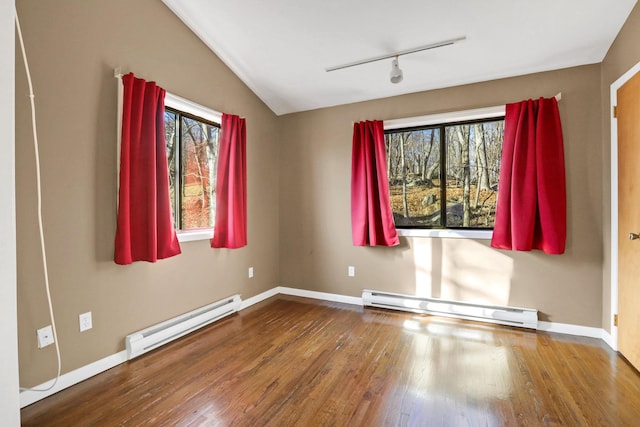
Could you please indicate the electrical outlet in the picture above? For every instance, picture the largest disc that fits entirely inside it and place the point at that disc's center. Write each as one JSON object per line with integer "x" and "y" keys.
{"x": 86, "y": 322}
{"x": 45, "y": 336}
{"x": 250, "y": 272}
{"x": 352, "y": 271}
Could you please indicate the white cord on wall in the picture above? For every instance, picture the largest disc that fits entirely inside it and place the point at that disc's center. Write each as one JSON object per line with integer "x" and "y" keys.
{"x": 39, "y": 191}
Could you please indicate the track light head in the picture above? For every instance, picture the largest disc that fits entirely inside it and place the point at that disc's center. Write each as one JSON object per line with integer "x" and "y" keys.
{"x": 396, "y": 72}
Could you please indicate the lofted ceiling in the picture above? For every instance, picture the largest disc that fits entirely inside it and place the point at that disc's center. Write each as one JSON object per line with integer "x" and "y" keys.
{"x": 281, "y": 48}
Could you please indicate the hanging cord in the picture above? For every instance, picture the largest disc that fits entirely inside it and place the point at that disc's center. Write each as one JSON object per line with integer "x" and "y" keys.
{"x": 44, "y": 255}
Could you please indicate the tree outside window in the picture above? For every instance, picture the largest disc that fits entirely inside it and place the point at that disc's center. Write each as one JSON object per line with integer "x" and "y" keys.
{"x": 445, "y": 176}
{"x": 192, "y": 152}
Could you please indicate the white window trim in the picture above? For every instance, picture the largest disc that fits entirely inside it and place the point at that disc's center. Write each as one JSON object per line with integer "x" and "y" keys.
{"x": 445, "y": 233}
{"x": 178, "y": 103}
{"x": 454, "y": 116}
{"x": 435, "y": 119}
{"x": 193, "y": 235}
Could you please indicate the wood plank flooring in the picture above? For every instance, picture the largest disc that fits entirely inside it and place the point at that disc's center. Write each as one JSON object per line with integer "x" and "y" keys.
{"x": 293, "y": 361}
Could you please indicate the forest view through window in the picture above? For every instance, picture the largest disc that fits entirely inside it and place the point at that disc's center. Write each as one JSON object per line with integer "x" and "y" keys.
{"x": 192, "y": 153}
{"x": 449, "y": 168}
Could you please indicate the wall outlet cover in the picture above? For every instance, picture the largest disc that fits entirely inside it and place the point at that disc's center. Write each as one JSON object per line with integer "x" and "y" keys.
{"x": 45, "y": 336}
{"x": 86, "y": 322}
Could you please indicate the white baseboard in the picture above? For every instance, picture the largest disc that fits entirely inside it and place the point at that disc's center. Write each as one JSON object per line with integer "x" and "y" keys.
{"x": 28, "y": 397}
{"x": 258, "y": 298}
{"x": 568, "y": 329}
{"x": 320, "y": 295}
{"x": 610, "y": 340}
{"x": 74, "y": 377}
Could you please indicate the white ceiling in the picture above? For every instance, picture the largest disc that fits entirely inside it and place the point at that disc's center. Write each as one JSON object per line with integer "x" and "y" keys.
{"x": 281, "y": 48}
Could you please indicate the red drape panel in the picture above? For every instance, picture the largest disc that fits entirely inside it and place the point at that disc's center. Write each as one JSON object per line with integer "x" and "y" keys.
{"x": 145, "y": 230}
{"x": 371, "y": 216}
{"x": 231, "y": 187}
{"x": 531, "y": 209}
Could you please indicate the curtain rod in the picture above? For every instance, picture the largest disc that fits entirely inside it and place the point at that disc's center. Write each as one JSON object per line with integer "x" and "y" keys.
{"x": 175, "y": 101}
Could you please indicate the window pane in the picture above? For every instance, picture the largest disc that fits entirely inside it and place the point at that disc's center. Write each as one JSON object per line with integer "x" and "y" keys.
{"x": 413, "y": 168}
{"x": 473, "y": 168}
{"x": 458, "y": 176}
{"x": 170, "y": 138}
{"x": 199, "y": 154}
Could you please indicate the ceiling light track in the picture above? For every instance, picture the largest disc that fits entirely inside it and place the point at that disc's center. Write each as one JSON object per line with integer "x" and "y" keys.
{"x": 397, "y": 54}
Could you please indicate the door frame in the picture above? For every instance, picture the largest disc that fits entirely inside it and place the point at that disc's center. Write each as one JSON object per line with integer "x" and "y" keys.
{"x": 614, "y": 199}
{"x": 9, "y": 381}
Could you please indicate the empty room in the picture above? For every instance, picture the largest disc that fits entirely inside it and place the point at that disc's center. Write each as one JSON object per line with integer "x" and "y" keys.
{"x": 332, "y": 213}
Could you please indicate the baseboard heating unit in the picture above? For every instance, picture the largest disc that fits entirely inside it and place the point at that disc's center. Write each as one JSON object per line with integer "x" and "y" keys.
{"x": 512, "y": 316}
{"x": 153, "y": 337}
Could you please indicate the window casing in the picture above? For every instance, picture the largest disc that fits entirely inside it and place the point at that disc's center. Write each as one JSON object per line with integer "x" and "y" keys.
{"x": 464, "y": 147}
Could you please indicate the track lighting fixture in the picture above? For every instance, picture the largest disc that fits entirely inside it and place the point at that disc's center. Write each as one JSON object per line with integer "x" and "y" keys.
{"x": 396, "y": 72}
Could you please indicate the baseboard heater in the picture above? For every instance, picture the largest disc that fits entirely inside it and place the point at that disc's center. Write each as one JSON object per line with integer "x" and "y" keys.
{"x": 512, "y": 316}
{"x": 153, "y": 337}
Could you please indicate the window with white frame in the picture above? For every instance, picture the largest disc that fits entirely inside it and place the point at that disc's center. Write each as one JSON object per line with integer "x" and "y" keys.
{"x": 192, "y": 134}
{"x": 443, "y": 172}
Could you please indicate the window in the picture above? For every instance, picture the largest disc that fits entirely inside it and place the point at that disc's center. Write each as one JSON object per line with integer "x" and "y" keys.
{"x": 192, "y": 136}
{"x": 445, "y": 175}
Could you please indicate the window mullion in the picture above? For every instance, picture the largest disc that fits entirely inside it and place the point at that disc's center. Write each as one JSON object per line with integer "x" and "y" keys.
{"x": 443, "y": 177}
{"x": 178, "y": 168}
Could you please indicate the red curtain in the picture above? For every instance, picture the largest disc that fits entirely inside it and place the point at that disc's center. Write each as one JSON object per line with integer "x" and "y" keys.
{"x": 145, "y": 230}
{"x": 371, "y": 216}
{"x": 231, "y": 187}
{"x": 531, "y": 209}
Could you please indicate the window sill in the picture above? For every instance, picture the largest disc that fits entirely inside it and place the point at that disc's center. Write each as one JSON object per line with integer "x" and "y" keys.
{"x": 452, "y": 234}
{"x": 193, "y": 235}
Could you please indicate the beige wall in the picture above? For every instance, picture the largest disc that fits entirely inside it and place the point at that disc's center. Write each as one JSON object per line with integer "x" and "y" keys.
{"x": 316, "y": 243}
{"x": 623, "y": 55}
{"x": 73, "y": 46}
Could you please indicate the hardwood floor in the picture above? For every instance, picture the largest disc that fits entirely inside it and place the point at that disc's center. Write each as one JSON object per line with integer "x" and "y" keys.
{"x": 295, "y": 361}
